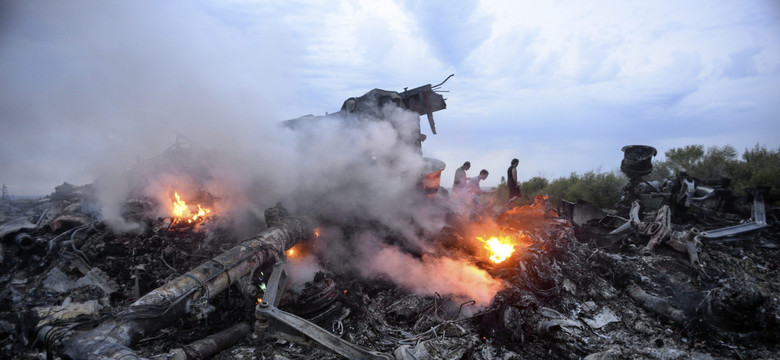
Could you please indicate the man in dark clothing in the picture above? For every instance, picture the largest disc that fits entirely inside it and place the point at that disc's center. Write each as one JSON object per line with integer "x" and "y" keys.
{"x": 460, "y": 177}
{"x": 511, "y": 181}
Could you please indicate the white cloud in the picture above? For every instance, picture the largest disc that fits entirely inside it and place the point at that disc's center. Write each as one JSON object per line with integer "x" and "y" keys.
{"x": 532, "y": 78}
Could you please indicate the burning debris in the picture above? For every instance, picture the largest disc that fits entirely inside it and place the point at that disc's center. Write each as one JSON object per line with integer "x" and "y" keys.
{"x": 423, "y": 279}
{"x": 184, "y": 215}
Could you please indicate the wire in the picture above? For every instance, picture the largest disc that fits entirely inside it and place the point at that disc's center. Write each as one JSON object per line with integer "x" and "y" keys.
{"x": 442, "y": 83}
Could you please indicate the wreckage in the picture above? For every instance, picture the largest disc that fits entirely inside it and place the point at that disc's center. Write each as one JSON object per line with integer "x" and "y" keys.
{"x": 568, "y": 283}
{"x": 706, "y": 196}
{"x": 423, "y": 100}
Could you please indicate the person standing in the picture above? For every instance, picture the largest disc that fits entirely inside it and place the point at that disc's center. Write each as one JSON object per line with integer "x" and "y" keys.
{"x": 473, "y": 183}
{"x": 511, "y": 181}
{"x": 475, "y": 192}
{"x": 460, "y": 177}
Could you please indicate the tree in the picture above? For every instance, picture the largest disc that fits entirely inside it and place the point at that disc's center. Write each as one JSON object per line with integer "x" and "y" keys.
{"x": 713, "y": 163}
{"x": 758, "y": 166}
{"x": 684, "y": 158}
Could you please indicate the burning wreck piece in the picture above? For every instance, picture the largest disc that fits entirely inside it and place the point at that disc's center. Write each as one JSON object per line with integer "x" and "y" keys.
{"x": 183, "y": 215}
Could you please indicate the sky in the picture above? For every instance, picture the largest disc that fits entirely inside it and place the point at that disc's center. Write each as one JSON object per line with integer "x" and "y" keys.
{"x": 92, "y": 87}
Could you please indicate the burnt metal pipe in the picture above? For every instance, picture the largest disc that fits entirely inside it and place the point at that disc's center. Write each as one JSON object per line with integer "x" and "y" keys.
{"x": 656, "y": 304}
{"x": 547, "y": 327}
{"x": 187, "y": 293}
{"x": 24, "y": 240}
{"x": 209, "y": 346}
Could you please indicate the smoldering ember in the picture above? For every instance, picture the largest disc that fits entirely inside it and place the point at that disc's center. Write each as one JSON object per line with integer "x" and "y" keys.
{"x": 183, "y": 257}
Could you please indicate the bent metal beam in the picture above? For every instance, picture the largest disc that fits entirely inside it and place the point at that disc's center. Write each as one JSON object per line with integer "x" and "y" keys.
{"x": 164, "y": 305}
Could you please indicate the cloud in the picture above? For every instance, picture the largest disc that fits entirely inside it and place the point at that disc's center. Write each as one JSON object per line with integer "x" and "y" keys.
{"x": 354, "y": 46}
{"x": 453, "y": 30}
{"x": 742, "y": 63}
{"x": 527, "y": 74}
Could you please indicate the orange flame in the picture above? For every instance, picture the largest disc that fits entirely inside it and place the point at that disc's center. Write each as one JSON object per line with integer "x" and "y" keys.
{"x": 497, "y": 243}
{"x": 179, "y": 206}
{"x": 499, "y": 248}
{"x": 181, "y": 211}
{"x": 297, "y": 251}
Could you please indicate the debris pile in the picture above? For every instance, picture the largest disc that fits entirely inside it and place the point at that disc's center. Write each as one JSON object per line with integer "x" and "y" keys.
{"x": 570, "y": 288}
{"x": 155, "y": 266}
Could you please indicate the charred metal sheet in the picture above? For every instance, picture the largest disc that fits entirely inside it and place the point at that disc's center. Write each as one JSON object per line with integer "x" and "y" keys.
{"x": 424, "y": 100}
{"x": 658, "y": 230}
{"x": 290, "y": 327}
{"x": 284, "y": 325}
{"x": 633, "y": 220}
{"x": 583, "y": 211}
{"x": 759, "y": 221}
{"x": 686, "y": 242}
{"x": 15, "y": 226}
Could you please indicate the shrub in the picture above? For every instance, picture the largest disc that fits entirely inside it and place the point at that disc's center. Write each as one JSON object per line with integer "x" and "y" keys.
{"x": 758, "y": 166}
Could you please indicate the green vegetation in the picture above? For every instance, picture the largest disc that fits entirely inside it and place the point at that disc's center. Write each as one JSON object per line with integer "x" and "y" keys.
{"x": 601, "y": 189}
{"x": 758, "y": 166}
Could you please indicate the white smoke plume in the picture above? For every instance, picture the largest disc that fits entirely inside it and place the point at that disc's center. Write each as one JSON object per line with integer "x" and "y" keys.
{"x": 110, "y": 83}
{"x": 301, "y": 270}
{"x": 428, "y": 275}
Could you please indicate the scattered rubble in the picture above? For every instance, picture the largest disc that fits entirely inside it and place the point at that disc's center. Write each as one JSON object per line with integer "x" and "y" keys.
{"x": 575, "y": 291}
{"x": 691, "y": 279}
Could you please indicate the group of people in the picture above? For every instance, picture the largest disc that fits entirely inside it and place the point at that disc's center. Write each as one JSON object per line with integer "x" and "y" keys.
{"x": 464, "y": 185}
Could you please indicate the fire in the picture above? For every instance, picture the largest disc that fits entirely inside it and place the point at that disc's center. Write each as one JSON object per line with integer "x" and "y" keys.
{"x": 179, "y": 206}
{"x": 295, "y": 252}
{"x": 181, "y": 211}
{"x": 500, "y": 248}
{"x": 496, "y": 242}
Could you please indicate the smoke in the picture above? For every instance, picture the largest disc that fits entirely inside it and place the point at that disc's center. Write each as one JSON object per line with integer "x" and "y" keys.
{"x": 102, "y": 87}
{"x": 112, "y": 193}
{"x": 368, "y": 253}
{"x": 428, "y": 275}
{"x": 334, "y": 168}
{"x": 91, "y": 87}
{"x": 301, "y": 270}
